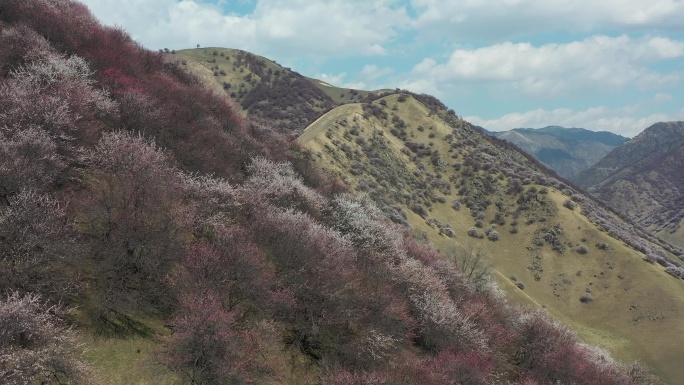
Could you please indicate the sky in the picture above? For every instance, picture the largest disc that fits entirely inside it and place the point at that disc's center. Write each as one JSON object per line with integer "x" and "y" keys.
{"x": 603, "y": 65}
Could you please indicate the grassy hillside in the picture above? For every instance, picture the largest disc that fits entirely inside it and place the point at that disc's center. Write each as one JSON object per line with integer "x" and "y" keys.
{"x": 445, "y": 181}
{"x": 265, "y": 89}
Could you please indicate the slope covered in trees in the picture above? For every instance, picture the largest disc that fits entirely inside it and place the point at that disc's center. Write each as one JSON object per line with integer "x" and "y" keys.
{"x": 139, "y": 206}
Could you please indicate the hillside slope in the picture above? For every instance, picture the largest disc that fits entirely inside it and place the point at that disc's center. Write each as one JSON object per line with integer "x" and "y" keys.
{"x": 566, "y": 150}
{"x": 644, "y": 179}
{"x": 150, "y": 234}
{"x": 263, "y": 88}
{"x": 456, "y": 187}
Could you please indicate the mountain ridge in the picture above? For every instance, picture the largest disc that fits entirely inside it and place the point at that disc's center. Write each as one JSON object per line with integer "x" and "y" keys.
{"x": 566, "y": 150}
{"x": 654, "y": 141}
{"x": 643, "y": 179}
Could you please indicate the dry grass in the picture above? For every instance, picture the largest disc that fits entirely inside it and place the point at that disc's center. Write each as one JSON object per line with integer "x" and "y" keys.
{"x": 676, "y": 238}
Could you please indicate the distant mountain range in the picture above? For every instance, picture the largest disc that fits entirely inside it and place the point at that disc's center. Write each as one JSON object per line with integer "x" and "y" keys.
{"x": 644, "y": 178}
{"x": 568, "y": 151}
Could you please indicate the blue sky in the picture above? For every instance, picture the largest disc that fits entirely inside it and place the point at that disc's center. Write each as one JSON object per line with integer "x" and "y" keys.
{"x": 612, "y": 65}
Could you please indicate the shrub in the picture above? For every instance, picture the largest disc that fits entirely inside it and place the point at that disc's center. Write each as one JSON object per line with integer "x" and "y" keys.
{"x": 586, "y": 298}
{"x": 655, "y": 258}
{"x": 569, "y": 204}
{"x": 471, "y": 260}
{"x": 538, "y": 241}
{"x": 448, "y": 231}
{"x": 493, "y": 235}
{"x": 475, "y": 233}
{"x": 55, "y": 95}
{"x": 520, "y": 285}
{"x": 675, "y": 271}
{"x": 547, "y": 350}
{"x": 420, "y": 210}
{"x": 640, "y": 375}
{"x": 582, "y": 250}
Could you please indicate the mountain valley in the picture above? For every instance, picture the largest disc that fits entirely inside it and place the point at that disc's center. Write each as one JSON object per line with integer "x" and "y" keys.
{"x": 568, "y": 151}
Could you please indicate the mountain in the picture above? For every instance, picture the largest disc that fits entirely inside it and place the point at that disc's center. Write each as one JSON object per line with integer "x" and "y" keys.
{"x": 152, "y": 231}
{"x": 566, "y": 150}
{"x": 644, "y": 179}
{"x": 456, "y": 186}
{"x": 396, "y": 109}
{"x": 265, "y": 90}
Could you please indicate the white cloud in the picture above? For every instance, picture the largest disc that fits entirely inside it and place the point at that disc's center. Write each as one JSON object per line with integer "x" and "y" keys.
{"x": 355, "y": 85}
{"x": 332, "y": 79}
{"x": 373, "y": 72}
{"x": 662, "y": 97}
{"x": 627, "y": 121}
{"x": 337, "y": 80}
{"x": 495, "y": 19}
{"x": 282, "y": 28}
{"x": 598, "y": 62}
{"x": 176, "y": 24}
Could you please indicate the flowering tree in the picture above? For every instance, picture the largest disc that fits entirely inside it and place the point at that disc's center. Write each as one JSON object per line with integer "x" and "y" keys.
{"x": 232, "y": 267}
{"x": 207, "y": 347}
{"x": 130, "y": 212}
{"x": 28, "y": 160}
{"x": 34, "y": 237}
{"x": 35, "y": 345}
